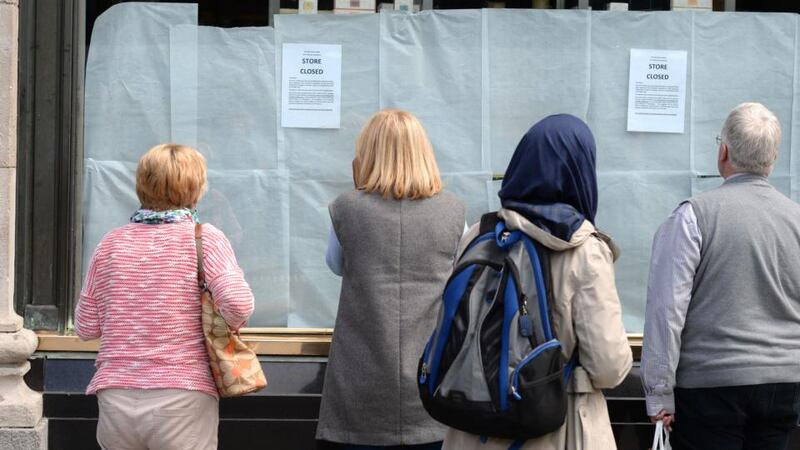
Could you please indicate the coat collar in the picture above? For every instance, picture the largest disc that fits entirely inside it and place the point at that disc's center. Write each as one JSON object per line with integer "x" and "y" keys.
{"x": 743, "y": 177}
{"x": 516, "y": 221}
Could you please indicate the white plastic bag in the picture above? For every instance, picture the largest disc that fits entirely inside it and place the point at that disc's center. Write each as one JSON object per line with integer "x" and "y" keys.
{"x": 661, "y": 438}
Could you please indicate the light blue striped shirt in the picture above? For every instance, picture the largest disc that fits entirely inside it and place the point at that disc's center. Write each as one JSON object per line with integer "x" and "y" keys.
{"x": 673, "y": 263}
{"x": 333, "y": 255}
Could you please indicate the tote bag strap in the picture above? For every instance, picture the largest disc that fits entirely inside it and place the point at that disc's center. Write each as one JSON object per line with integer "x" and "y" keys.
{"x": 198, "y": 244}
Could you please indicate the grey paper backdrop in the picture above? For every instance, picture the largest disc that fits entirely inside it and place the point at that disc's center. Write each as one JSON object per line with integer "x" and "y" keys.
{"x": 477, "y": 79}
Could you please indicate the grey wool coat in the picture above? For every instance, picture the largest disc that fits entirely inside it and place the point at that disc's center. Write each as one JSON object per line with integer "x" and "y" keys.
{"x": 397, "y": 255}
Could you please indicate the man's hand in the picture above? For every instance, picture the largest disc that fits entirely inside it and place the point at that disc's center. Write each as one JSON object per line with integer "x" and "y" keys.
{"x": 666, "y": 417}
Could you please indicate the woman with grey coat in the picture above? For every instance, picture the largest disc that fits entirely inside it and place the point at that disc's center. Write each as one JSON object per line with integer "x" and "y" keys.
{"x": 393, "y": 239}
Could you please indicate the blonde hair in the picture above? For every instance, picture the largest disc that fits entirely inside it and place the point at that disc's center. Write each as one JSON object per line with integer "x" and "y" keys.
{"x": 395, "y": 158}
{"x": 170, "y": 176}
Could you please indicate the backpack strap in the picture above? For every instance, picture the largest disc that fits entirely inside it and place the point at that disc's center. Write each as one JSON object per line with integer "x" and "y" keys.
{"x": 488, "y": 223}
{"x": 543, "y": 283}
{"x": 544, "y": 264}
{"x": 571, "y": 365}
{"x": 517, "y": 445}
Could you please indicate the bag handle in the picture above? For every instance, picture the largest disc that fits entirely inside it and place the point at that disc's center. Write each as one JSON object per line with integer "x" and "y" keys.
{"x": 201, "y": 271}
{"x": 198, "y": 244}
{"x": 659, "y": 441}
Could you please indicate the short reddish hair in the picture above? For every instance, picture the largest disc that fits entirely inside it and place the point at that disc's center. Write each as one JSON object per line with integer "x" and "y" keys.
{"x": 170, "y": 176}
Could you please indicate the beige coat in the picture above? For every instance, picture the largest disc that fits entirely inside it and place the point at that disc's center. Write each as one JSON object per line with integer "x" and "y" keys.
{"x": 586, "y": 310}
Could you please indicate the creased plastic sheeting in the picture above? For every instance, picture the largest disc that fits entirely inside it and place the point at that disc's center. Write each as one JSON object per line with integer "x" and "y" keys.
{"x": 314, "y": 288}
{"x": 154, "y": 76}
{"x": 109, "y": 199}
{"x": 637, "y": 202}
{"x": 127, "y": 79}
{"x": 250, "y": 207}
{"x": 613, "y": 35}
{"x": 127, "y": 110}
{"x": 538, "y": 65}
{"x": 223, "y": 94}
{"x": 472, "y": 188}
{"x": 740, "y": 58}
{"x": 642, "y": 176}
{"x": 423, "y": 72}
{"x": 223, "y": 97}
{"x": 318, "y": 161}
{"x": 325, "y": 154}
{"x": 111, "y": 184}
{"x": 476, "y": 79}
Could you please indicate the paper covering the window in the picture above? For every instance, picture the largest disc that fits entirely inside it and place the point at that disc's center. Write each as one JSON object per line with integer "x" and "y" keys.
{"x": 477, "y": 79}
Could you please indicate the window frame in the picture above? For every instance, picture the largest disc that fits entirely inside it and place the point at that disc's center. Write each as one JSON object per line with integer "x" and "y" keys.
{"x": 50, "y": 179}
{"x": 49, "y": 164}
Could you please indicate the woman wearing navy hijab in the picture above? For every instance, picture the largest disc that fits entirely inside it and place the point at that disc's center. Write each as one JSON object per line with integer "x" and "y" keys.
{"x": 549, "y": 192}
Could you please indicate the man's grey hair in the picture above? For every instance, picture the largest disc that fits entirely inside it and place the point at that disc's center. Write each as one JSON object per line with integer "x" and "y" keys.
{"x": 753, "y": 136}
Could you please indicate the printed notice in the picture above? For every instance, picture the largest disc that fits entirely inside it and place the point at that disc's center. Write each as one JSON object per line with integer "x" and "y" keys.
{"x": 307, "y": 7}
{"x": 311, "y": 87}
{"x": 657, "y": 91}
{"x": 404, "y": 5}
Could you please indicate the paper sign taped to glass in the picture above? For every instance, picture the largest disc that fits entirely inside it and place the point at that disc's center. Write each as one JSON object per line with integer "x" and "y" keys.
{"x": 311, "y": 88}
{"x": 657, "y": 91}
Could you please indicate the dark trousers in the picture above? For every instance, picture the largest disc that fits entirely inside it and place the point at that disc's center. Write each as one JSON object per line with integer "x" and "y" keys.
{"x": 431, "y": 446}
{"x": 324, "y": 445}
{"x": 735, "y": 418}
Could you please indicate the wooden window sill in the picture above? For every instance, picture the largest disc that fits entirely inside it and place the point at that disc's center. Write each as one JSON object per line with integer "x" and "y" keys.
{"x": 267, "y": 341}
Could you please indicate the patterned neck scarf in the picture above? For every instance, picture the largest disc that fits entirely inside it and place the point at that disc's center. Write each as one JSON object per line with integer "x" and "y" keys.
{"x": 151, "y": 217}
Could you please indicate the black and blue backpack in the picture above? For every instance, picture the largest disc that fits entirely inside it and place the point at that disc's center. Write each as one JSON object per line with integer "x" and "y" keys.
{"x": 492, "y": 366}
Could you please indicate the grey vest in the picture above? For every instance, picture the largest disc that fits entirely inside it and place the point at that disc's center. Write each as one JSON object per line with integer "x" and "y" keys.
{"x": 397, "y": 257}
{"x": 743, "y": 322}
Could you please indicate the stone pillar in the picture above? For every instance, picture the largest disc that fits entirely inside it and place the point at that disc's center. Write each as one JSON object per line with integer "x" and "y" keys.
{"x": 21, "y": 424}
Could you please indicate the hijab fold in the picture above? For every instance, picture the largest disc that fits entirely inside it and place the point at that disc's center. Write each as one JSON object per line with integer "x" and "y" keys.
{"x": 551, "y": 178}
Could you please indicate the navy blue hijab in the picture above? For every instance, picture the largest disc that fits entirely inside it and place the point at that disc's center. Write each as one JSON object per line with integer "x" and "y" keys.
{"x": 551, "y": 178}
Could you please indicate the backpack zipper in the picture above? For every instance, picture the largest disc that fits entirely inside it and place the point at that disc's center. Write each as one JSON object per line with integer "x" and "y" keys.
{"x": 533, "y": 354}
{"x": 423, "y": 372}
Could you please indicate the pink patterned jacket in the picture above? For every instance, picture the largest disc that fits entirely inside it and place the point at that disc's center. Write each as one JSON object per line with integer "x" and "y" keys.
{"x": 141, "y": 299}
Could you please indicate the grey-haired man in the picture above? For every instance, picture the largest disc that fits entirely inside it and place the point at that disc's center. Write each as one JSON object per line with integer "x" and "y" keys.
{"x": 721, "y": 356}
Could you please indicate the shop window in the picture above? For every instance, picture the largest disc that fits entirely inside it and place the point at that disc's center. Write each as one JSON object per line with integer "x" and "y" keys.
{"x": 190, "y": 73}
